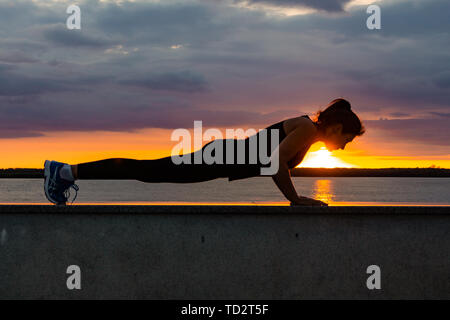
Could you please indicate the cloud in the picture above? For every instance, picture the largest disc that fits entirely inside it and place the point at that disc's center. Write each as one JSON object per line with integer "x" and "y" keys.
{"x": 5, "y": 67}
{"x": 111, "y": 115}
{"x": 325, "y": 5}
{"x": 423, "y": 131}
{"x": 119, "y": 72}
{"x": 165, "y": 24}
{"x": 442, "y": 80}
{"x": 16, "y": 57}
{"x": 183, "y": 81}
{"x": 441, "y": 114}
{"x": 60, "y": 35}
{"x": 14, "y": 134}
{"x": 19, "y": 85}
{"x": 399, "y": 114}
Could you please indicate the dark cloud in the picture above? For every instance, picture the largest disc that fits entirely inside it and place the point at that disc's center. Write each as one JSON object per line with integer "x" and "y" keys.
{"x": 126, "y": 68}
{"x": 60, "y": 35}
{"x": 326, "y": 5}
{"x": 424, "y": 131}
{"x": 399, "y": 18}
{"x": 13, "y": 134}
{"x": 5, "y": 67}
{"x": 184, "y": 81}
{"x": 111, "y": 115}
{"x": 441, "y": 114}
{"x": 442, "y": 80}
{"x": 399, "y": 114}
{"x": 17, "y": 85}
{"x": 169, "y": 24}
{"x": 16, "y": 57}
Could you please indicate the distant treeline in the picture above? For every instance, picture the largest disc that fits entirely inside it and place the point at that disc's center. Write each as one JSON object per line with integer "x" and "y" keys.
{"x": 297, "y": 172}
{"x": 21, "y": 173}
{"x": 356, "y": 172}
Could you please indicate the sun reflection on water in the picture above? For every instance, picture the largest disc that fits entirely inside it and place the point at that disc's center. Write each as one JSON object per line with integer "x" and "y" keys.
{"x": 323, "y": 190}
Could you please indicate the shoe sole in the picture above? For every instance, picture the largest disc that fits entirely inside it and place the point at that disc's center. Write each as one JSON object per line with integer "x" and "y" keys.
{"x": 47, "y": 180}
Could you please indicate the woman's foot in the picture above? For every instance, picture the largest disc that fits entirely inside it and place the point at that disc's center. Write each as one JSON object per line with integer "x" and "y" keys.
{"x": 57, "y": 185}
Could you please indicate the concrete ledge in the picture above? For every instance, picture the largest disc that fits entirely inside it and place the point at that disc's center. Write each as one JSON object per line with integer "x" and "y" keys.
{"x": 221, "y": 209}
{"x": 224, "y": 252}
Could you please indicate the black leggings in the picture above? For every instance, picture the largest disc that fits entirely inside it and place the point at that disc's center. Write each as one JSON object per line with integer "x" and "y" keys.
{"x": 158, "y": 170}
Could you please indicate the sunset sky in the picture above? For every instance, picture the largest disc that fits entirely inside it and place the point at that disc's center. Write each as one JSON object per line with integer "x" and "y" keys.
{"x": 137, "y": 70}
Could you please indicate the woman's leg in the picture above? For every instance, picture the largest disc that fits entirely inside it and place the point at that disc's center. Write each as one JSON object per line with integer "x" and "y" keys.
{"x": 158, "y": 170}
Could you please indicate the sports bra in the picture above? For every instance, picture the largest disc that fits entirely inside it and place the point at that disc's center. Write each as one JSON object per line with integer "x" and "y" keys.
{"x": 246, "y": 170}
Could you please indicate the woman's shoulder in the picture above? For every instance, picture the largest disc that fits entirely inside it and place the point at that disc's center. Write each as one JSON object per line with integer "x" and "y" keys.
{"x": 293, "y": 123}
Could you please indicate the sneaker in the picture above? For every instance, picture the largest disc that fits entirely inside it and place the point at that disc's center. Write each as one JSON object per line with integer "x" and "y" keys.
{"x": 57, "y": 188}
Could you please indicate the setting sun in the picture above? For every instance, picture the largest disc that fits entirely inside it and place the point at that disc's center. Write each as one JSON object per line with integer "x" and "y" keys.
{"x": 323, "y": 158}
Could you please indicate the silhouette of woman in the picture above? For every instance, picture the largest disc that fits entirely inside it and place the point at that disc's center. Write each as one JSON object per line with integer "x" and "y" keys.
{"x": 336, "y": 126}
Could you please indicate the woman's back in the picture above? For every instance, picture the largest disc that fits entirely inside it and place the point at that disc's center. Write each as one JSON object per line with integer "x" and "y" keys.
{"x": 249, "y": 168}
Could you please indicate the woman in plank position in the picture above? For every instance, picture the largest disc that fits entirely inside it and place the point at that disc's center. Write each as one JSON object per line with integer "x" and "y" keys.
{"x": 336, "y": 126}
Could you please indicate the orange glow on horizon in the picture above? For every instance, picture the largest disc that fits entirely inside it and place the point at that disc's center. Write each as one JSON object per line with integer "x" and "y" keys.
{"x": 78, "y": 147}
{"x": 323, "y": 158}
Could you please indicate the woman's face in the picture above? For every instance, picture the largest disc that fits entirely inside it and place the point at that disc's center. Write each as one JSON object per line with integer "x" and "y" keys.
{"x": 335, "y": 139}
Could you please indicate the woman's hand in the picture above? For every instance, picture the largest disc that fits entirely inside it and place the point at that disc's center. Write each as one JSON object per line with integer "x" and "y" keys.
{"x": 305, "y": 201}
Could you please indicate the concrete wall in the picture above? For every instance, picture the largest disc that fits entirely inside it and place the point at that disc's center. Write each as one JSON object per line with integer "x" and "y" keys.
{"x": 224, "y": 252}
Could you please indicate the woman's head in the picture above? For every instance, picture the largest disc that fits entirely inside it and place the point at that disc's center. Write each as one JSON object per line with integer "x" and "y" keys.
{"x": 338, "y": 124}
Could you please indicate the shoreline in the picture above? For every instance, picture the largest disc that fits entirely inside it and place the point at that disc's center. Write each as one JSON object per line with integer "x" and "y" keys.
{"x": 20, "y": 173}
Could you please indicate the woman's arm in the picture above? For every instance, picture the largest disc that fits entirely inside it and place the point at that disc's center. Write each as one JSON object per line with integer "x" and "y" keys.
{"x": 298, "y": 139}
{"x": 284, "y": 182}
